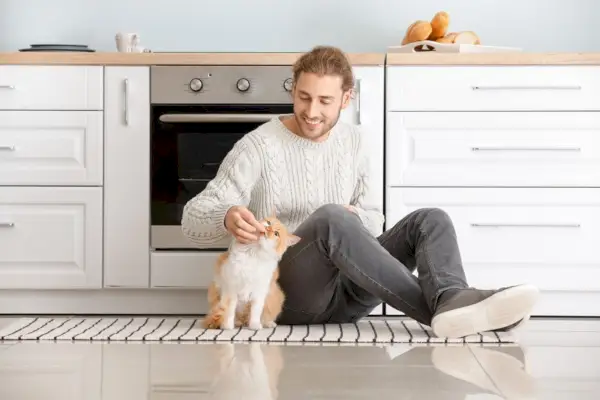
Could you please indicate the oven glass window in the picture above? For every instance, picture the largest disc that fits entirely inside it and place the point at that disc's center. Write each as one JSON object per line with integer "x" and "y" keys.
{"x": 187, "y": 155}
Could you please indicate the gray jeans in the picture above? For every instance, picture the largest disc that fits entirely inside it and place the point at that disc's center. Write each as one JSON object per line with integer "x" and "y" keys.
{"x": 339, "y": 272}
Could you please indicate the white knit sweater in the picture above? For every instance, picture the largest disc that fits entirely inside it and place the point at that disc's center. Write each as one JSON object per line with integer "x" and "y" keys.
{"x": 273, "y": 170}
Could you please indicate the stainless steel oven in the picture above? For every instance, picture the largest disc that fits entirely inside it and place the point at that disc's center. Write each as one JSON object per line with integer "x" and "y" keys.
{"x": 197, "y": 114}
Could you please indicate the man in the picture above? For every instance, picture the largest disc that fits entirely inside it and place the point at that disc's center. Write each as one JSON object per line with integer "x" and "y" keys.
{"x": 313, "y": 170}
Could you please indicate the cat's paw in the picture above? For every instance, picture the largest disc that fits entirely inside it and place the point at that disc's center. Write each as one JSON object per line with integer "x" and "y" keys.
{"x": 255, "y": 325}
{"x": 226, "y": 325}
{"x": 270, "y": 324}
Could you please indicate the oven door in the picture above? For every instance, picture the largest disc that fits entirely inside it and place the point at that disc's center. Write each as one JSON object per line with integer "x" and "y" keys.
{"x": 188, "y": 144}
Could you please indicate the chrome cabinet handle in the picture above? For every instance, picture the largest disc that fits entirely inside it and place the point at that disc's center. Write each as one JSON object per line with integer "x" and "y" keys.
{"x": 502, "y": 225}
{"x": 7, "y": 148}
{"x": 558, "y": 87}
{"x": 507, "y": 148}
{"x": 358, "y": 108}
{"x": 7, "y": 224}
{"x": 126, "y": 101}
{"x": 9, "y": 87}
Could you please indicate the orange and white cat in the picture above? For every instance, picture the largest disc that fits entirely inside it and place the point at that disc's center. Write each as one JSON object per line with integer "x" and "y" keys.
{"x": 244, "y": 290}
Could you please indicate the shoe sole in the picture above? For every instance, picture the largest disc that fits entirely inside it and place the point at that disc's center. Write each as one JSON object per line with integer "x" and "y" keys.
{"x": 497, "y": 311}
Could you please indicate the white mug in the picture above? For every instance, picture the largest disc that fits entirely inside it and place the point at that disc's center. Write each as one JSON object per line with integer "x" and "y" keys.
{"x": 127, "y": 42}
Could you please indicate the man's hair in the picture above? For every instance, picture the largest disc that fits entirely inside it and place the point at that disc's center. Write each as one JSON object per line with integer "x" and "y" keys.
{"x": 326, "y": 60}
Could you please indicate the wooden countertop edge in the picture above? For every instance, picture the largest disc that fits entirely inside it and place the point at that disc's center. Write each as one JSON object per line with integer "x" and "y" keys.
{"x": 493, "y": 59}
{"x": 97, "y": 58}
{"x": 378, "y": 59}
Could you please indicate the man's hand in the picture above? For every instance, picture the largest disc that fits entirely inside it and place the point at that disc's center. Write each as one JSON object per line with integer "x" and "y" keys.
{"x": 242, "y": 224}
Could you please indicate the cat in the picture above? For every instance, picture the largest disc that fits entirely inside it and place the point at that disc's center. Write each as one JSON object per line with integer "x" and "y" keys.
{"x": 244, "y": 290}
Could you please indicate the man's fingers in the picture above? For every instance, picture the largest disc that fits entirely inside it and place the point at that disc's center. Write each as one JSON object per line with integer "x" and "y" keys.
{"x": 243, "y": 235}
{"x": 242, "y": 224}
{"x": 249, "y": 217}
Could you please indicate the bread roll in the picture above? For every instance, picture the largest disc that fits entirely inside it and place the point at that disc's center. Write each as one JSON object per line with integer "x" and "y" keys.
{"x": 439, "y": 25}
{"x": 467, "y": 37}
{"x": 417, "y": 31}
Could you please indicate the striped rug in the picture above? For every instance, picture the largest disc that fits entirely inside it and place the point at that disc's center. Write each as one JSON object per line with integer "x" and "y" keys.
{"x": 173, "y": 329}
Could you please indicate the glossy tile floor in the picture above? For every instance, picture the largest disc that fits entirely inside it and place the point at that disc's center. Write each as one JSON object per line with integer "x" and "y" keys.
{"x": 555, "y": 359}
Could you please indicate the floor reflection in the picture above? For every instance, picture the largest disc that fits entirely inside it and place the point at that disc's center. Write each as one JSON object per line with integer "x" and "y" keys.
{"x": 249, "y": 371}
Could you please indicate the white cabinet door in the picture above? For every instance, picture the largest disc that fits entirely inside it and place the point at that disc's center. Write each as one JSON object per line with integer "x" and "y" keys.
{"x": 493, "y": 88}
{"x": 127, "y": 177}
{"x": 50, "y": 237}
{"x": 51, "y": 87}
{"x": 51, "y": 148}
{"x": 367, "y": 111}
{"x": 526, "y": 149}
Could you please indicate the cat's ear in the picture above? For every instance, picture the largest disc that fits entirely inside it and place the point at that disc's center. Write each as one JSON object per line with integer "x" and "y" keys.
{"x": 293, "y": 239}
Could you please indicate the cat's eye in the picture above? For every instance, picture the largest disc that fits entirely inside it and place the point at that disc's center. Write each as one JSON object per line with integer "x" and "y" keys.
{"x": 276, "y": 233}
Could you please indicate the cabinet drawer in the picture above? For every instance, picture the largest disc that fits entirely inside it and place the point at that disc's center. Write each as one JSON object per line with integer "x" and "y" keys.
{"x": 480, "y": 88}
{"x": 185, "y": 269}
{"x": 50, "y": 237}
{"x": 51, "y": 148}
{"x": 51, "y": 87}
{"x": 547, "y": 237}
{"x": 493, "y": 149}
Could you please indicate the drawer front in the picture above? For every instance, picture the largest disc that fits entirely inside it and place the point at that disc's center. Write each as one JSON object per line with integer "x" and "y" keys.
{"x": 481, "y": 88}
{"x": 493, "y": 149}
{"x": 51, "y": 87}
{"x": 547, "y": 237}
{"x": 185, "y": 269}
{"x": 51, "y": 148}
{"x": 51, "y": 238}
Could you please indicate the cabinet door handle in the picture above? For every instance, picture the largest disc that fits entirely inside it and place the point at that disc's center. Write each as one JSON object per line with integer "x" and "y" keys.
{"x": 7, "y": 148}
{"x": 506, "y": 148}
{"x": 7, "y": 224}
{"x": 9, "y": 87}
{"x": 126, "y": 101}
{"x": 557, "y": 87}
{"x": 523, "y": 225}
{"x": 358, "y": 108}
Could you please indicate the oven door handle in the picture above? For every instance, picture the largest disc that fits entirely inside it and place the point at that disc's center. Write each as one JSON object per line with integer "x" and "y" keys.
{"x": 191, "y": 118}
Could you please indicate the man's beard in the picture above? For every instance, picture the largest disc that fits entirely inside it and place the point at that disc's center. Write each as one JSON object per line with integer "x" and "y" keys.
{"x": 301, "y": 121}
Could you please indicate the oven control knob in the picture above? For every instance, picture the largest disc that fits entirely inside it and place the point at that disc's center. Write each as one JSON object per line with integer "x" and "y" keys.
{"x": 288, "y": 84}
{"x": 196, "y": 85}
{"x": 243, "y": 85}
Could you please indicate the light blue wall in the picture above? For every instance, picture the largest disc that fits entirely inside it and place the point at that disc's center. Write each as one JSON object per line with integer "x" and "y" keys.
{"x": 283, "y": 25}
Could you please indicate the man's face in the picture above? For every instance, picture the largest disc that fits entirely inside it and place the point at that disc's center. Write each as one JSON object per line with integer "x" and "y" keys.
{"x": 318, "y": 102}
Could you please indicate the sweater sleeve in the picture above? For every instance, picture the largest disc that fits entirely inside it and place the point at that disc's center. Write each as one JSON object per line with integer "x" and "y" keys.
{"x": 364, "y": 199}
{"x": 203, "y": 219}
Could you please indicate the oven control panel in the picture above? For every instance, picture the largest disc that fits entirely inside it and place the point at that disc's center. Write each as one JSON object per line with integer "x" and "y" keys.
{"x": 206, "y": 84}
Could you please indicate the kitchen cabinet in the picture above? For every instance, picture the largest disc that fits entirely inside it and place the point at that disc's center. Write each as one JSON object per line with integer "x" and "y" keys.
{"x": 50, "y": 177}
{"x": 51, "y": 87}
{"x": 493, "y": 88}
{"x": 479, "y": 149}
{"x": 127, "y": 177}
{"x": 51, "y": 148}
{"x": 51, "y": 238}
{"x": 365, "y": 111}
{"x": 511, "y": 153}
